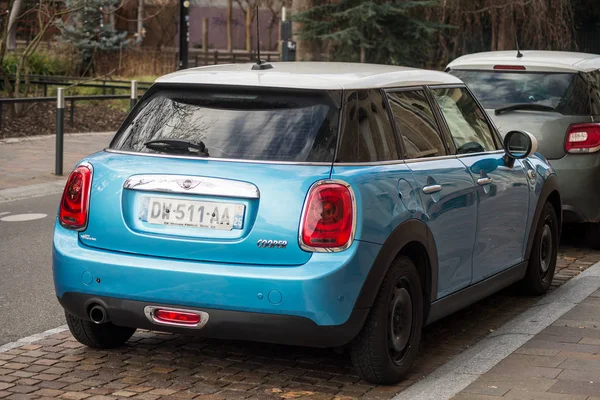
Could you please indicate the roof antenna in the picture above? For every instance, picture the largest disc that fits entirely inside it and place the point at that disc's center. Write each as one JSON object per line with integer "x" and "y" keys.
{"x": 260, "y": 64}
{"x": 519, "y": 54}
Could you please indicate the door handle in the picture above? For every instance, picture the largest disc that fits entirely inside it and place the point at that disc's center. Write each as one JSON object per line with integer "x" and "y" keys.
{"x": 432, "y": 189}
{"x": 484, "y": 181}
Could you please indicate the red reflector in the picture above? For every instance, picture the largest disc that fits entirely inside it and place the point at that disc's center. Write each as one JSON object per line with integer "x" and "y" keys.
{"x": 74, "y": 203}
{"x": 510, "y": 67}
{"x": 177, "y": 317}
{"x": 328, "y": 217}
{"x": 583, "y": 138}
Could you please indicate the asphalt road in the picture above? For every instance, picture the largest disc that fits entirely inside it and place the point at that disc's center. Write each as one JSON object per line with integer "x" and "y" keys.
{"x": 28, "y": 303}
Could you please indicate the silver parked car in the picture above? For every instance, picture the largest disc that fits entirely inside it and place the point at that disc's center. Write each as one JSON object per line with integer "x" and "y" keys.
{"x": 556, "y": 97}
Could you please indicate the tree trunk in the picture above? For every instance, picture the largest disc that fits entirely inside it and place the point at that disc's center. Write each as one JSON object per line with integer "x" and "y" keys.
{"x": 249, "y": 29}
{"x": 140, "y": 22}
{"x": 205, "y": 39}
{"x": 305, "y": 49}
{"x": 494, "y": 19}
{"x": 229, "y": 25}
{"x": 505, "y": 35}
{"x": 11, "y": 40}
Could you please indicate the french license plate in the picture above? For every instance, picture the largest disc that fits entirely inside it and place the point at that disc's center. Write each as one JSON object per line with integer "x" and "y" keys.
{"x": 192, "y": 213}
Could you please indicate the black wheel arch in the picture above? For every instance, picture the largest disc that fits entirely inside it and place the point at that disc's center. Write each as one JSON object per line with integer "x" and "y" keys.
{"x": 413, "y": 239}
{"x": 551, "y": 194}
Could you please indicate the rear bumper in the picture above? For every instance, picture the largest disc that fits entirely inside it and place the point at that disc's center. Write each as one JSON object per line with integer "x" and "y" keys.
{"x": 323, "y": 291}
{"x": 579, "y": 182}
{"x": 225, "y": 324}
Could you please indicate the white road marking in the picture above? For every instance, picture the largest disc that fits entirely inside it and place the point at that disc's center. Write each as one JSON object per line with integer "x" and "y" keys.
{"x": 23, "y": 217}
{"x": 33, "y": 338}
{"x": 4, "y": 213}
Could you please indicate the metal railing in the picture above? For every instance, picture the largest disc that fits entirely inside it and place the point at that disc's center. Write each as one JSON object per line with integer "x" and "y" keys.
{"x": 214, "y": 57}
{"x": 60, "y": 100}
{"x": 66, "y": 81}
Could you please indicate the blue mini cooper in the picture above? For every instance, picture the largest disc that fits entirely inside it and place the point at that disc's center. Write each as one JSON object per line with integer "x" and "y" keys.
{"x": 315, "y": 204}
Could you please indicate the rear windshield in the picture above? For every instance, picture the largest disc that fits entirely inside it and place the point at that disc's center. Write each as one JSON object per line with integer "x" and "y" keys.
{"x": 241, "y": 125}
{"x": 565, "y": 92}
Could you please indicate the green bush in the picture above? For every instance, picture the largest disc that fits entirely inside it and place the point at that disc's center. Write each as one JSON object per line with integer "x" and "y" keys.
{"x": 40, "y": 63}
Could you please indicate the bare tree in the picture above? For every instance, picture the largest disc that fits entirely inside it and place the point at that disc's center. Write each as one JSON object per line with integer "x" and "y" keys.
{"x": 162, "y": 25}
{"x": 274, "y": 7}
{"x": 248, "y": 7}
{"x": 498, "y": 24}
{"x": 46, "y": 14}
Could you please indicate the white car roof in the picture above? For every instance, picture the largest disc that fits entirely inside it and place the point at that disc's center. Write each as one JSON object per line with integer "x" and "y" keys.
{"x": 532, "y": 60}
{"x": 311, "y": 75}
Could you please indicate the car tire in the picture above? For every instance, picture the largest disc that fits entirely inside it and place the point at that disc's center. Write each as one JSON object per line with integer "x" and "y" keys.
{"x": 542, "y": 260}
{"x": 593, "y": 235}
{"x": 386, "y": 347}
{"x": 99, "y": 336}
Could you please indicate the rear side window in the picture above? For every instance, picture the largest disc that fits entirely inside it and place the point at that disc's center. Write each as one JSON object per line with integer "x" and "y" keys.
{"x": 416, "y": 123}
{"x": 469, "y": 128}
{"x": 240, "y": 125}
{"x": 367, "y": 134}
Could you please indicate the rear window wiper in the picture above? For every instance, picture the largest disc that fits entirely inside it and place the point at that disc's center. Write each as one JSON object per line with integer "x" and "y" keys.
{"x": 176, "y": 146}
{"x": 524, "y": 106}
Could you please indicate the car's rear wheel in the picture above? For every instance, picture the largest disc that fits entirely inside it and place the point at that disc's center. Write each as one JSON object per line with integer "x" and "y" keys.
{"x": 100, "y": 336}
{"x": 542, "y": 261}
{"x": 387, "y": 345}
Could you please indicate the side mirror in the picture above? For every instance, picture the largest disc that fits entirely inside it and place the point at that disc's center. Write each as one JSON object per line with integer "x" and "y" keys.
{"x": 519, "y": 144}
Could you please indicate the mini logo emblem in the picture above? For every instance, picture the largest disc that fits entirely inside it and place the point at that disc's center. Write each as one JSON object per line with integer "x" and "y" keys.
{"x": 186, "y": 184}
{"x": 271, "y": 244}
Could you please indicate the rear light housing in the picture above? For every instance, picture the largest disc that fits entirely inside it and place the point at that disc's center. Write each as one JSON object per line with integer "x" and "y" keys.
{"x": 328, "y": 220}
{"x": 583, "y": 138}
{"x": 509, "y": 67}
{"x": 193, "y": 319}
{"x": 75, "y": 201}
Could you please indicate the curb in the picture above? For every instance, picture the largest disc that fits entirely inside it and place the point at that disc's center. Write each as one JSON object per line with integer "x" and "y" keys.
{"x": 454, "y": 376}
{"x": 42, "y": 137}
{"x": 37, "y": 190}
{"x": 33, "y": 338}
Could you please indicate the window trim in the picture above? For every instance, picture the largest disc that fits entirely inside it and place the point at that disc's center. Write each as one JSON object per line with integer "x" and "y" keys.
{"x": 496, "y": 137}
{"x": 400, "y": 139}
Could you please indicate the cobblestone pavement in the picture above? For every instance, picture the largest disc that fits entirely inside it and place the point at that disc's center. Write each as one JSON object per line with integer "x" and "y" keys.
{"x": 31, "y": 161}
{"x": 560, "y": 363}
{"x": 163, "y": 366}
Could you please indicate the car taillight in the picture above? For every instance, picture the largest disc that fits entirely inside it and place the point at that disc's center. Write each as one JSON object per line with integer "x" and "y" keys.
{"x": 328, "y": 218}
{"x": 179, "y": 317}
{"x": 75, "y": 199}
{"x": 583, "y": 138}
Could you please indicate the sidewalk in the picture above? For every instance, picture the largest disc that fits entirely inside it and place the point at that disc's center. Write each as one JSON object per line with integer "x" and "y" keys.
{"x": 31, "y": 160}
{"x": 560, "y": 363}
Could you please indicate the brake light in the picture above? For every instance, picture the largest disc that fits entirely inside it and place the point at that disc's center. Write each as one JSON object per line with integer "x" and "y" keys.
{"x": 328, "y": 218}
{"x": 510, "y": 67}
{"x": 74, "y": 205}
{"x": 583, "y": 138}
{"x": 177, "y": 317}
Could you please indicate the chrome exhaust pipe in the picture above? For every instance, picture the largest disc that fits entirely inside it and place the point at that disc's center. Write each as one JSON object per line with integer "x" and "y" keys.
{"x": 98, "y": 314}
